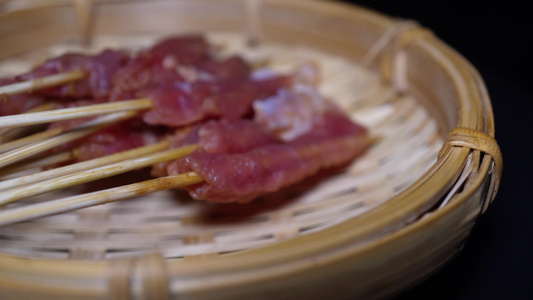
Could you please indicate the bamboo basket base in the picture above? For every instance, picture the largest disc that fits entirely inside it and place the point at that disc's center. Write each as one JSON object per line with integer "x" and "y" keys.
{"x": 178, "y": 227}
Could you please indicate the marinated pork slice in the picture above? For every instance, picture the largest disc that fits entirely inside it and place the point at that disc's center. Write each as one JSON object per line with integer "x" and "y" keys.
{"x": 186, "y": 49}
{"x": 241, "y": 177}
{"x": 271, "y": 160}
{"x": 175, "y": 60}
{"x": 187, "y": 103}
{"x": 218, "y": 137}
{"x": 99, "y": 68}
{"x": 115, "y": 139}
{"x": 124, "y": 136}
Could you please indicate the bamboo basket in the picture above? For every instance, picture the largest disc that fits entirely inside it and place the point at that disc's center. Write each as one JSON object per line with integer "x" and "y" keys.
{"x": 378, "y": 227}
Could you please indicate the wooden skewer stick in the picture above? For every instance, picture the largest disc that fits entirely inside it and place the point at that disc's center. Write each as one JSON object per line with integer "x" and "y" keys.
{"x": 55, "y": 115}
{"x": 84, "y": 165}
{"x": 40, "y": 83}
{"x": 35, "y": 163}
{"x": 62, "y": 114}
{"x": 43, "y": 107}
{"x": 80, "y": 131}
{"x": 30, "y": 139}
{"x": 97, "y": 198}
{"x": 85, "y": 176}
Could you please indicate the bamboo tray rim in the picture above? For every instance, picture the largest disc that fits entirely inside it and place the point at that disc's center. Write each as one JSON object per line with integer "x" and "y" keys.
{"x": 300, "y": 250}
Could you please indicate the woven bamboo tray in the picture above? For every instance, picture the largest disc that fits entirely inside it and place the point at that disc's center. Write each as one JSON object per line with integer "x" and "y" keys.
{"x": 371, "y": 230}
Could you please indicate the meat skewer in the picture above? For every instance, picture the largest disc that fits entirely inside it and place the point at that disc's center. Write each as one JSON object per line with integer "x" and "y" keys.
{"x": 304, "y": 151}
{"x": 114, "y": 72}
{"x": 71, "y": 75}
{"x": 92, "y": 76}
{"x": 271, "y": 130}
{"x": 202, "y": 86}
{"x": 280, "y": 147}
{"x": 218, "y": 139}
{"x": 229, "y": 100}
{"x": 171, "y": 105}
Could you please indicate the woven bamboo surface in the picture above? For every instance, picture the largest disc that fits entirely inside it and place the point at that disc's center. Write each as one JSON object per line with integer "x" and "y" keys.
{"x": 172, "y": 223}
{"x": 392, "y": 217}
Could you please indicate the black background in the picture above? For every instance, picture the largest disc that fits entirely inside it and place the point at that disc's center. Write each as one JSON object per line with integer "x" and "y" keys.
{"x": 497, "y": 37}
